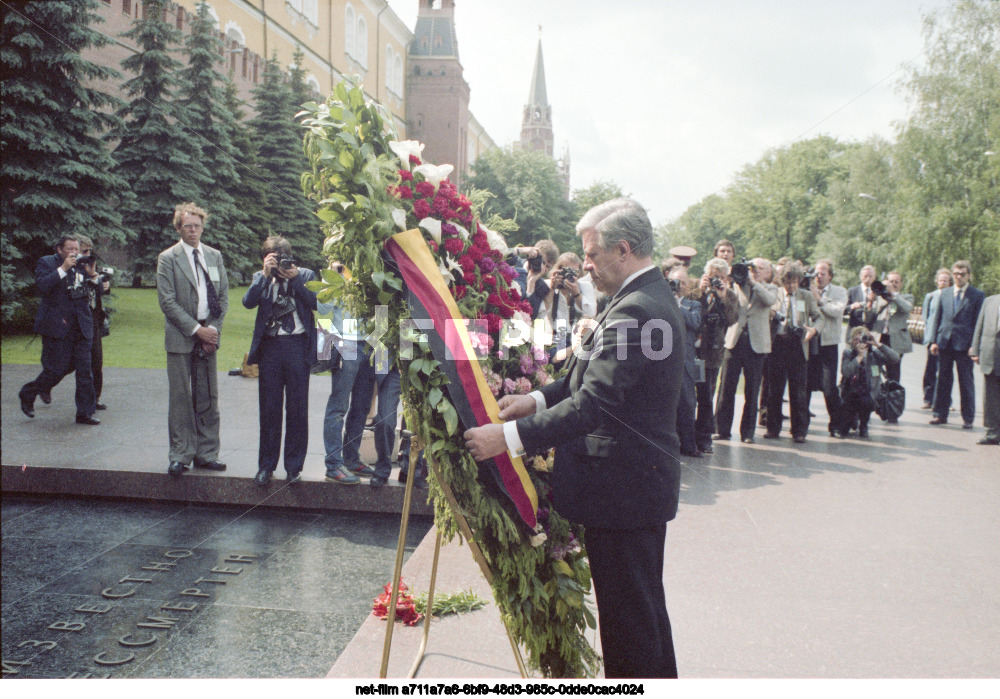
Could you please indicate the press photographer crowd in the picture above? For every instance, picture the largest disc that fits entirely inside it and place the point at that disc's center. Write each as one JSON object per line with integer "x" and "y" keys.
{"x": 786, "y": 328}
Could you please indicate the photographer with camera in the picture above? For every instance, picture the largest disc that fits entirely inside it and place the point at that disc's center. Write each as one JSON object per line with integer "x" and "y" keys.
{"x": 747, "y": 343}
{"x": 860, "y": 298}
{"x": 571, "y": 297}
{"x": 284, "y": 347}
{"x": 538, "y": 260}
{"x": 691, "y": 312}
{"x": 862, "y": 367}
{"x": 66, "y": 325}
{"x": 888, "y": 316}
{"x": 832, "y": 300}
{"x": 718, "y": 312}
{"x": 797, "y": 319}
{"x": 98, "y": 285}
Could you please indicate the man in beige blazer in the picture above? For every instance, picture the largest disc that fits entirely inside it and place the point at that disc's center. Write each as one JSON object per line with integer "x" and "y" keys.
{"x": 832, "y": 300}
{"x": 193, "y": 290}
{"x": 748, "y": 341}
{"x": 985, "y": 351}
{"x": 798, "y": 320}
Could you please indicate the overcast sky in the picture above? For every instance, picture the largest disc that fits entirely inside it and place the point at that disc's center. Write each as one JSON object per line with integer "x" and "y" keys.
{"x": 670, "y": 98}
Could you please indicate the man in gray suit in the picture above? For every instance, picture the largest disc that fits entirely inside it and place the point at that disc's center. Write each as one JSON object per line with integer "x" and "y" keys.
{"x": 985, "y": 352}
{"x": 832, "y": 300}
{"x": 929, "y": 311}
{"x": 193, "y": 290}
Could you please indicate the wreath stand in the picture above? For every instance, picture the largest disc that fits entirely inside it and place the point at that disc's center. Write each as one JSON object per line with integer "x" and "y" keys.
{"x": 416, "y": 446}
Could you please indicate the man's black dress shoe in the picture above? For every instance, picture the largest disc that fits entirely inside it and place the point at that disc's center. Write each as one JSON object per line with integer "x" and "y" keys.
{"x": 690, "y": 452}
{"x": 967, "y": 426}
{"x": 747, "y": 440}
{"x": 379, "y": 481}
{"x": 101, "y": 406}
{"x": 987, "y": 440}
{"x": 176, "y": 468}
{"x": 46, "y": 397}
{"x": 210, "y": 465}
{"x": 707, "y": 449}
{"x": 27, "y": 404}
{"x": 263, "y": 477}
{"x": 87, "y": 420}
{"x": 293, "y": 477}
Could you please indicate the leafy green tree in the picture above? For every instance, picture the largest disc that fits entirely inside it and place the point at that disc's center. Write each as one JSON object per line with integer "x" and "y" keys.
{"x": 597, "y": 193}
{"x": 701, "y": 227}
{"x": 280, "y": 155}
{"x": 157, "y": 153}
{"x": 527, "y": 190}
{"x": 210, "y": 120}
{"x": 55, "y": 176}
{"x": 946, "y": 159}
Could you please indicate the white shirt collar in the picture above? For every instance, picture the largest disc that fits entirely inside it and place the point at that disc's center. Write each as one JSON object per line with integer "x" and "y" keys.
{"x": 632, "y": 276}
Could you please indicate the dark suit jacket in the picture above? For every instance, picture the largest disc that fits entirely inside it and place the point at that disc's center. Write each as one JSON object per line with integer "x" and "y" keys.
{"x": 610, "y": 417}
{"x": 954, "y": 327}
{"x": 856, "y": 294}
{"x": 57, "y": 310}
{"x": 260, "y": 295}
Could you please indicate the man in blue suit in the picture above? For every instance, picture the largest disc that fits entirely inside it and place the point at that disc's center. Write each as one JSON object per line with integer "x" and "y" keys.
{"x": 950, "y": 340}
{"x": 284, "y": 347}
{"x": 66, "y": 325}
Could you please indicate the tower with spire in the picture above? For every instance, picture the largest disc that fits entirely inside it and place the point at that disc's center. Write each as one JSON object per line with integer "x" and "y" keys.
{"x": 536, "y": 121}
{"x": 437, "y": 108}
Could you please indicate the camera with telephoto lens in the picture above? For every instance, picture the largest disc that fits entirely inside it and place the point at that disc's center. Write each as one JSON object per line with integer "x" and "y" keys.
{"x": 808, "y": 276}
{"x": 866, "y": 339}
{"x": 564, "y": 275}
{"x": 86, "y": 260}
{"x": 740, "y": 271}
{"x": 675, "y": 285}
{"x": 286, "y": 262}
{"x": 535, "y": 263}
{"x": 879, "y": 289}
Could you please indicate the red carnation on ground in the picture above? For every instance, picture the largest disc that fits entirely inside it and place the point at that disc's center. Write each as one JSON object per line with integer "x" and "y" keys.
{"x": 406, "y": 610}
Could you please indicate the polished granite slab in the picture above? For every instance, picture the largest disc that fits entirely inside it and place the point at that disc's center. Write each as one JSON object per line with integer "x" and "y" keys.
{"x": 151, "y": 590}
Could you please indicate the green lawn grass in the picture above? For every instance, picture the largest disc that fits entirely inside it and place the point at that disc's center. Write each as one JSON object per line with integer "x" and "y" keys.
{"x": 136, "y": 339}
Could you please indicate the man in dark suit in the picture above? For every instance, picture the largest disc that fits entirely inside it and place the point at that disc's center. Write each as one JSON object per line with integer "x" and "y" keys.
{"x": 985, "y": 351}
{"x": 929, "y": 313}
{"x": 67, "y": 328}
{"x": 193, "y": 291}
{"x": 284, "y": 347}
{"x": 616, "y": 470}
{"x": 950, "y": 341}
{"x": 860, "y": 298}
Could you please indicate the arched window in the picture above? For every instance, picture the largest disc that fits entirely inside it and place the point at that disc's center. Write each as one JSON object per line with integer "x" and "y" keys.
{"x": 362, "y": 42}
{"x": 313, "y": 84}
{"x": 390, "y": 67}
{"x": 398, "y": 74}
{"x": 349, "y": 30}
{"x": 311, "y": 11}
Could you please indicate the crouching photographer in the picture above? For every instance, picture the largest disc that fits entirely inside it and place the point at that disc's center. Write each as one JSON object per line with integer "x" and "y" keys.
{"x": 284, "y": 347}
{"x": 863, "y": 364}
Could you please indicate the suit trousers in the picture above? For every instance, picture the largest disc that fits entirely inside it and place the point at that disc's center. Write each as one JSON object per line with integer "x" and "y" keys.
{"x": 627, "y": 569}
{"x": 283, "y": 392}
{"x": 947, "y": 358}
{"x": 740, "y": 359}
{"x": 60, "y": 357}
{"x": 991, "y": 404}
{"x": 828, "y": 358}
{"x": 686, "y": 407}
{"x": 793, "y": 369}
{"x": 97, "y": 359}
{"x": 930, "y": 376}
{"x": 892, "y": 369}
{"x": 704, "y": 425}
{"x": 193, "y": 407}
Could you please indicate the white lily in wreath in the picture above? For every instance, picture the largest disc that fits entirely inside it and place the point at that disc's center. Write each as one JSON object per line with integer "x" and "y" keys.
{"x": 434, "y": 173}
{"x": 404, "y": 149}
{"x": 432, "y": 226}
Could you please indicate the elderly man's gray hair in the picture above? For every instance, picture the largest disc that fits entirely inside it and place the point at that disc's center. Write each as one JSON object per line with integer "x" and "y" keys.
{"x": 617, "y": 220}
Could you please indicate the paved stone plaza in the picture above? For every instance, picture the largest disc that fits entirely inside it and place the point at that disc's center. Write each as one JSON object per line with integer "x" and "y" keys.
{"x": 836, "y": 558}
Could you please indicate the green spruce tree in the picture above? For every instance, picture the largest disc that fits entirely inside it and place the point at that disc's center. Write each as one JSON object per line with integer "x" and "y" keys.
{"x": 251, "y": 192}
{"x": 157, "y": 153}
{"x": 280, "y": 154}
{"x": 55, "y": 176}
{"x": 202, "y": 96}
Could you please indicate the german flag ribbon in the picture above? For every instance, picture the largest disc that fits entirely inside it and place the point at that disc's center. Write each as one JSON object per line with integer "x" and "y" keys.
{"x": 431, "y": 302}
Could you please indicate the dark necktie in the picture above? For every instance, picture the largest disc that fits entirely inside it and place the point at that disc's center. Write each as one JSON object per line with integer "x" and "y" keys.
{"x": 287, "y": 320}
{"x": 958, "y": 300}
{"x": 214, "y": 309}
